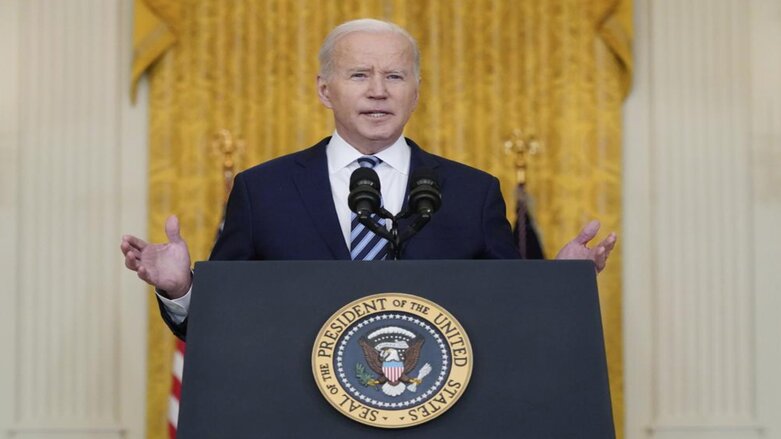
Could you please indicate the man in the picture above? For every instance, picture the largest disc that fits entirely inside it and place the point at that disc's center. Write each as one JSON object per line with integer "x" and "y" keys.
{"x": 295, "y": 207}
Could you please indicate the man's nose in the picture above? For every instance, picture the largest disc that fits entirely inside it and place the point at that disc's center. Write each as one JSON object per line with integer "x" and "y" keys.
{"x": 377, "y": 89}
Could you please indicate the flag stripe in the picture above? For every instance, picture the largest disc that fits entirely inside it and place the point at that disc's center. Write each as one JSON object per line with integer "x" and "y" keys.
{"x": 178, "y": 365}
{"x": 173, "y": 411}
{"x": 177, "y": 368}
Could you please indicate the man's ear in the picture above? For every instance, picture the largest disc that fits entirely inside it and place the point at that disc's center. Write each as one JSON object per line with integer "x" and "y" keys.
{"x": 323, "y": 92}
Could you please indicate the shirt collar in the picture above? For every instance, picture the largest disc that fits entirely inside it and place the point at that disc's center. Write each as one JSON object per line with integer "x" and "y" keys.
{"x": 341, "y": 154}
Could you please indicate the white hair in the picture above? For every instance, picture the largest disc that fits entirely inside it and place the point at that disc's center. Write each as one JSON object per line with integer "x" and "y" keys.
{"x": 363, "y": 25}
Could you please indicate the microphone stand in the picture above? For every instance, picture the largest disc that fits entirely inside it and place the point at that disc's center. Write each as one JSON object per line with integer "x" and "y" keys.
{"x": 418, "y": 224}
{"x": 391, "y": 235}
{"x": 394, "y": 238}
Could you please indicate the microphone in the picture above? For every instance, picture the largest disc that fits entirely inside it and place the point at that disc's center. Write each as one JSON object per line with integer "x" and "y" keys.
{"x": 425, "y": 198}
{"x": 364, "y": 198}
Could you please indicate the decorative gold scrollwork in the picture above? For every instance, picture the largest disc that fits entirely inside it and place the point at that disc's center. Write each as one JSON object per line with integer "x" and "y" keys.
{"x": 522, "y": 147}
{"x": 226, "y": 146}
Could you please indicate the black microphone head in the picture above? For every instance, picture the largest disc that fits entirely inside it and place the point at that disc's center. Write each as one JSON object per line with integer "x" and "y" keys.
{"x": 425, "y": 197}
{"x": 364, "y": 176}
{"x": 364, "y": 198}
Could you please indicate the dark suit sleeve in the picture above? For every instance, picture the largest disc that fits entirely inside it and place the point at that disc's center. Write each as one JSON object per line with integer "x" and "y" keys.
{"x": 497, "y": 233}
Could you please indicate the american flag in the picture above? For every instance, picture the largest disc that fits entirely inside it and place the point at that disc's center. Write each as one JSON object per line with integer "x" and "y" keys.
{"x": 176, "y": 388}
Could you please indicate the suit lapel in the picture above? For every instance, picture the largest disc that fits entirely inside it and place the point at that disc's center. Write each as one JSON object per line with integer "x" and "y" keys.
{"x": 419, "y": 159}
{"x": 314, "y": 186}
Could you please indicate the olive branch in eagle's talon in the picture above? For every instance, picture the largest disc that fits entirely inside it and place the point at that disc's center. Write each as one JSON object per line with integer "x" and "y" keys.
{"x": 364, "y": 376}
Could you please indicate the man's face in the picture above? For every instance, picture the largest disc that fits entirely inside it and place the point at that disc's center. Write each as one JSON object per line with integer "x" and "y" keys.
{"x": 372, "y": 89}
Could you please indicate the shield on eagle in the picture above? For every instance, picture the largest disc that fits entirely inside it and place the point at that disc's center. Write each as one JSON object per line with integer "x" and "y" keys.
{"x": 393, "y": 370}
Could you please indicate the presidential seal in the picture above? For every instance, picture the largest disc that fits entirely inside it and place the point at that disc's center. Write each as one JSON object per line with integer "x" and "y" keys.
{"x": 392, "y": 360}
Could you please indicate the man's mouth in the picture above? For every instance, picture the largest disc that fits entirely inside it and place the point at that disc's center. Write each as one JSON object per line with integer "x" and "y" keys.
{"x": 376, "y": 114}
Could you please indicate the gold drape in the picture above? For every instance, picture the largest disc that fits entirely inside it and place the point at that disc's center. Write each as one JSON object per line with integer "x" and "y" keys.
{"x": 154, "y": 32}
{"x": 557, "y": 68}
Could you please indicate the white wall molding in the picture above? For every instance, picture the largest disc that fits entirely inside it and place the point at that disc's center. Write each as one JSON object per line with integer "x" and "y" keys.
{"x": 73, "y": 324}
{"x": 766, "y": 207}
{"x": 702, "y": 207}
{"x": 9, "y": 177}
{"x": 87, "y": 432}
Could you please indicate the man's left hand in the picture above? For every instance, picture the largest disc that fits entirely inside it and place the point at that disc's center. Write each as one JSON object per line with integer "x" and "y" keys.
{"x": 577, "y": 249}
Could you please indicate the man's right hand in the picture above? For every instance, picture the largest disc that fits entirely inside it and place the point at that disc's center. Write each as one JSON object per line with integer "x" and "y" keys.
{"x": 166, "y": 266}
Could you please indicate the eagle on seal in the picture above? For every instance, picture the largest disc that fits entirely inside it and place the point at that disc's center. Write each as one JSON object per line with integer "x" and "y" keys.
{"x": 392, "y": 353}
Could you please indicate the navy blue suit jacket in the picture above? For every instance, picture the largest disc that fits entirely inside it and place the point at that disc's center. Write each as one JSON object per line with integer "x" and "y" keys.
{"x": 283, "y": 210}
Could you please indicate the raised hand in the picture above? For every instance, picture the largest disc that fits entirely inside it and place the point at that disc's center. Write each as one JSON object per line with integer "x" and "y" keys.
{"x": 166, "y": 266}
{"x": 577, "y": 249}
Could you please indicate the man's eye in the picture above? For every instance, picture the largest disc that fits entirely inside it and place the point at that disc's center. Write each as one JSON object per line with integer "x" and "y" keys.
{"x": 358, "y": 75}
{"x": 395, "y": 77}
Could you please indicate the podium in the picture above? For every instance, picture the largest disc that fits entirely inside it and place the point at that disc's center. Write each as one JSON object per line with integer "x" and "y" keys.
{"x": 539, "y": 368}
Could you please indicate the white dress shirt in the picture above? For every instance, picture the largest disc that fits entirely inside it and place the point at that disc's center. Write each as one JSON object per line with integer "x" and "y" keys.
{"x": 342, "y": 161}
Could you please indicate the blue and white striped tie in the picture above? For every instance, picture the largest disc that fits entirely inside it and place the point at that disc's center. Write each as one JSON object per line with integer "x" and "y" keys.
{"x": 365, "y": 245}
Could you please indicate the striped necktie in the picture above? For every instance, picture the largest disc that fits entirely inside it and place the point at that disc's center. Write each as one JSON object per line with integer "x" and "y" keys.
{"x": 365, "y": 245}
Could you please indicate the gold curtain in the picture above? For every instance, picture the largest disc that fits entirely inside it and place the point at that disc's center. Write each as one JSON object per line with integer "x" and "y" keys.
{"x": 558, "y": 69}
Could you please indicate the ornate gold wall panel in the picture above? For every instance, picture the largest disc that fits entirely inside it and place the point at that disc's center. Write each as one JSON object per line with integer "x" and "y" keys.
{"x": 558, "y": 69}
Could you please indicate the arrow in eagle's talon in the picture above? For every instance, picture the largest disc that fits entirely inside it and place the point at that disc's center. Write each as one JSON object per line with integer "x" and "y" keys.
{"x": 425, "y": 370}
